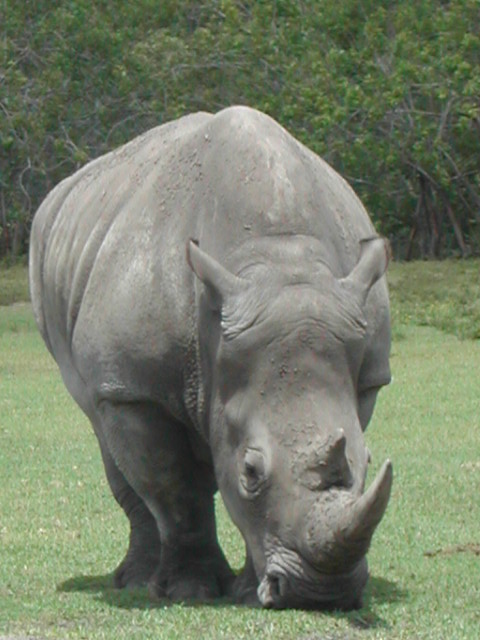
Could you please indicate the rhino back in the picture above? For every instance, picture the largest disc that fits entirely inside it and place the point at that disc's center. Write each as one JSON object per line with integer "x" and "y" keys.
{"x": 263, "y": 182}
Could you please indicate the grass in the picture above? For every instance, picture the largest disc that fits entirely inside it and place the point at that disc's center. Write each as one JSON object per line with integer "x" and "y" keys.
{"x": 13, "y": 282}
{"x": 445, "y": 295}
{"x": 61, "y": 533}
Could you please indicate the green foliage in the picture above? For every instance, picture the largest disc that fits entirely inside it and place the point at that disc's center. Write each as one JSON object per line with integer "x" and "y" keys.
{"x": 61, "y": 533}
{"x": 386, "y": 91}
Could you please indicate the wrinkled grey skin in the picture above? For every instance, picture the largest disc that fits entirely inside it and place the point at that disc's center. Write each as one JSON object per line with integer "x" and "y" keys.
{"x": 250, "y": 362}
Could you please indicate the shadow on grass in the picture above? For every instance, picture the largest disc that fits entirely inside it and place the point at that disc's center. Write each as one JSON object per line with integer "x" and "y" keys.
{"x": 379, "y": 591}
{"x": 103, "y": 587}
{"x": 135, "y": 598}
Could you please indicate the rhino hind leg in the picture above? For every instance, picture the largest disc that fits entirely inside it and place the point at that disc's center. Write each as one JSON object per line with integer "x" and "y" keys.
{"x": 153, "y": 454}
{"x": 143, "y": 555}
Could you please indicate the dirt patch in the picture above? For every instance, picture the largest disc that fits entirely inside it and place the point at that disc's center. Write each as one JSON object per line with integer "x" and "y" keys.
{"x": 471, "y": 465}
{"x": 451, "y": 551}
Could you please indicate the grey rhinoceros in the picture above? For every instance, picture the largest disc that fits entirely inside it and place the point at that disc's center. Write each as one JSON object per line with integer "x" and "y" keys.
{"x": 213, "y": 294}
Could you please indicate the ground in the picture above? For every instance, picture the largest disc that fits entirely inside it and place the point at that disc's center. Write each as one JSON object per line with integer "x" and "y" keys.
{"x": 61, "y": 533}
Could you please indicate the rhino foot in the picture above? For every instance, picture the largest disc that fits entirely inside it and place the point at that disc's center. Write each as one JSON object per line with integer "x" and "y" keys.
{"x": 132, "y": 573}
{"x": 141, "y": 561}
{"x": 246, "y": 596}
{"x": 196, "y": 578}
{"x": 185, "y": 588}
{"x": 245, "y": 587}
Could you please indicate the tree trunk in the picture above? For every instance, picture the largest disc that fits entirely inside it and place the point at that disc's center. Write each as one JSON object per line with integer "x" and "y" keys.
{"x": 18, "y": 238}
{"x": 4, "y": 243}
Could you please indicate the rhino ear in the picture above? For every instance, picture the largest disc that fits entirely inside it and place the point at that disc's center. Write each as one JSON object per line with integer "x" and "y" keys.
{"x": 375, "y": 255}
{"x": 220, "y": 282}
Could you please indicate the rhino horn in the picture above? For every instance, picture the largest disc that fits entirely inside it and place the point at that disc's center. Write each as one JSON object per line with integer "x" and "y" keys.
{"x": 367, "y": 511}
{"x": 338, "y": 532}
{"x": 336, "y": 460}
{"x": 219, "y": 281}
{"x": 337, "y": 445}
{"x": 375, "y": 255}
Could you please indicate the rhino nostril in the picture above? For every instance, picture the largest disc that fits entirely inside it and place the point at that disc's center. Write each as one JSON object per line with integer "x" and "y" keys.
{"x": 272, "y": 591}
{"x": 274, "y": 586}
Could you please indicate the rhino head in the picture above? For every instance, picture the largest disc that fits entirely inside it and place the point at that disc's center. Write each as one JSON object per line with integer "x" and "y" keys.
{"x": 285, "y": 340}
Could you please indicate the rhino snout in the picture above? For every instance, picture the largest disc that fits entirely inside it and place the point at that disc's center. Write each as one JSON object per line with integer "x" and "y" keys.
{"x": 306, "y": 588}
{"x": 329, "y": 570}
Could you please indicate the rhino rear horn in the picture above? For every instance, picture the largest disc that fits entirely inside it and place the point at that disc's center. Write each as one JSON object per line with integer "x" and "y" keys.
{"x": 375, "y": 255}
{"x": 336, "y": 463}
{"x": 220, "y": 282}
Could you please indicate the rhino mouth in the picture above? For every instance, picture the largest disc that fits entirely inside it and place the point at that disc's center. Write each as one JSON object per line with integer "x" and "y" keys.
{"x": 298, "y": 585}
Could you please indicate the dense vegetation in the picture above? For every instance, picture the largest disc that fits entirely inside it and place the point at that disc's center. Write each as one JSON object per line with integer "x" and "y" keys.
{"x": 387, "y": 91}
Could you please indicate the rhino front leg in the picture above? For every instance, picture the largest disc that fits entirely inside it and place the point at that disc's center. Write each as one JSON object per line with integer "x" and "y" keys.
{"x": 143, "y": 555}
{"x": 153, "y": 453}
{"x": 246, "y": 584}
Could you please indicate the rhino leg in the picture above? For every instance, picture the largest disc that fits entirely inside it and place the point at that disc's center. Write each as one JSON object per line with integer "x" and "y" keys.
{"x": 246, "y": 585}
{"x": 143, "y": 555}
{"x": 153, "y": 453}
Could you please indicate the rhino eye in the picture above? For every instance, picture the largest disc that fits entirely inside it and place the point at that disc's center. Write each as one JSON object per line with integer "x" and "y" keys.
{"x": 253, "y": 473}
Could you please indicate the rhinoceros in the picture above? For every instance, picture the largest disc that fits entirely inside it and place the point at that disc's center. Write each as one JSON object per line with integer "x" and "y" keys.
{"x": 214, "y": 295}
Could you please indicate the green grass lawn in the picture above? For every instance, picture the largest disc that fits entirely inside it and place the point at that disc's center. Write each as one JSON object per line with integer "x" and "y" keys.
{"x": 61, "y": 533}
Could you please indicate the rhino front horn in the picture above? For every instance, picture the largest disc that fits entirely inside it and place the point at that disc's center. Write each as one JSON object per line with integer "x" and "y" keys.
{"x": 367, "y": 511}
